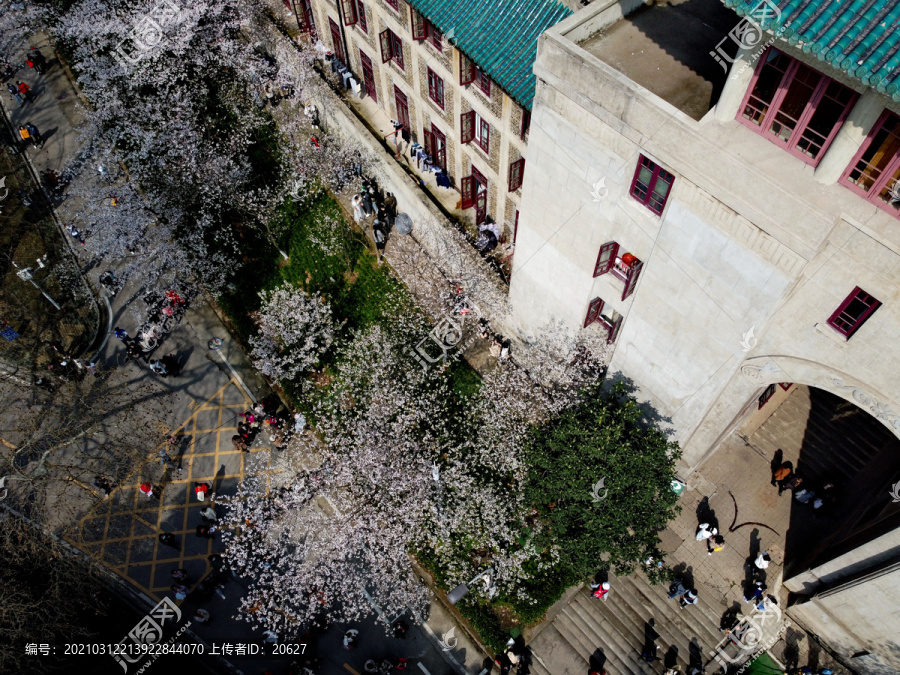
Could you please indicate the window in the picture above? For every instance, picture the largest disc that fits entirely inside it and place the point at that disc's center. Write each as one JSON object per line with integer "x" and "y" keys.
{"x": 361, "y": 17}
{"x": 473, "y": 127}
{"x": 436, "y": 146}
{"x": 853, "y": 312}
{"x": 593, "y": 312}
{"x": 402, "y": 104}
{"x": 368, "y": 75}
{"x": 391, "y": 47}
{"x": 795, "y": 106}
{"x": 651, "y": 185}
{"x": 626, "y": 268}
{"x": 483, "y": 81}
{"x": 785, "y": 385}
{"x": 766, "y": 395}
{"x": 336, "y": 43}
{"x": 516, "y": 174}
{"x": 435, "y": 88}
{"x": 393, "y": 3}
{"x": 469, "y": 73}
{"x": 875, "y": 171}
{"x": 349, "y": 12}
{"x": 526, "y": 123}
{"x": 423, "y": 29}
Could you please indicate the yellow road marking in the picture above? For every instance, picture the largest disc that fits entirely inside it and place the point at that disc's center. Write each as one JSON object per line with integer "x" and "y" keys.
{"x": 348, "y": 667}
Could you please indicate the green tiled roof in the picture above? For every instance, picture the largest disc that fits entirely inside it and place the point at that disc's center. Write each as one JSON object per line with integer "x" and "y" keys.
{"x": 500, "y": 36}
{"x": 860, "y": 37}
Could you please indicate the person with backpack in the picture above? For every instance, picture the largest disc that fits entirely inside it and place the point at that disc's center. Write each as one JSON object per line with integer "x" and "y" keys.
{"x": 25, "y": 91}
{"x": 36, "y": 137}
{"x": 600, "y": 591}
{"x": 15, "y": 93}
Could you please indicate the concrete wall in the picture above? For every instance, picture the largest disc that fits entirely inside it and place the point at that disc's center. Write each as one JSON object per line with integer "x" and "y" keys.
{"x": 750, "y": 238}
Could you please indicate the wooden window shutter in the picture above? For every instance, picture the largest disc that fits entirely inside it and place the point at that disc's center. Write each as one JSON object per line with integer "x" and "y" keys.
{"x": 485, "y": 140}
{"x": 632, "y": 279}
{"x": 516, "y": 174}
{"x": 467, "y": 126}
{"x": 466, "y": 69}
{"x": 348, "y": 9}
{"x": 606, "y": 258}
{"x": 419, "y": 29}
{"x": 468, "y": 192}
{"x": 385, "y": 39}
{"x": 593, "y": 312}
{"x": 614, "y": 330}
{"x": 429, "y": 143}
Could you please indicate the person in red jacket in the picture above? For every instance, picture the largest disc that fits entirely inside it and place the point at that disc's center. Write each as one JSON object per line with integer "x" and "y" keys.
{"x": 25, "y": 91}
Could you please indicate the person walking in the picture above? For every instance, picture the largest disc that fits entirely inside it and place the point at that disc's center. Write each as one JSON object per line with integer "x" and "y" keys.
{"x": 600, "y": 591}
{"x": 209, "y": 515}
{"x": 715, "y": 544}
{"x": 239, "y": 443}
{"x": 180, "y": 590}
{"x": 782, "y": 474}
{"x": 201, "y": 490}
{"x": 34, "y": 64}
{"x": 165, "y": 460}
{"x": 269, "y": 637}
{"x": 24, "y": 91}
{"x": 690, "y": 597}
{"x": 36, "y": 138}
{"x": 71, "y": 229}
{"x": 704, "y": 532}
{"x": 201, "y": 616}
{"x": 14, "y": 92}
{"x": 103, "y": 483}
{"x": 168, "y": 539}
{"x": 762, "y": 560}
{"x": 147, "y": 489}
{"x": 205, "y": 531}
{"x": 180, "y": 575}
{"x": 24, "y": 135}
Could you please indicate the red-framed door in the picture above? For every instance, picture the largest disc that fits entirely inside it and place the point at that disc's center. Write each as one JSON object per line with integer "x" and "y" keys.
{"x": 337, "y": 44}
{"x": 481, "y": 193}
{"x": 440, "y": 148}
{"x": 368, "y": 75}
{"x": 402, "y": 108}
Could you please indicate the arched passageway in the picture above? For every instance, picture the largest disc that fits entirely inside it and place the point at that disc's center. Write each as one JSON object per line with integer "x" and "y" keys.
{"x": 829, "y": 441}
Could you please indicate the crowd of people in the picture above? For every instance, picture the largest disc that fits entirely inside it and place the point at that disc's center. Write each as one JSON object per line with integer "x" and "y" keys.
{"x": 373, "y": 203}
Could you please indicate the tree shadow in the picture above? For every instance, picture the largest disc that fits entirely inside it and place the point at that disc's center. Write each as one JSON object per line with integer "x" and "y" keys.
{"x": 650, "y": 416}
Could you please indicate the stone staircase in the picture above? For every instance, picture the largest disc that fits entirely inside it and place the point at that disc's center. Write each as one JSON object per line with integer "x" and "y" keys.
{"x": 587, "y": 632}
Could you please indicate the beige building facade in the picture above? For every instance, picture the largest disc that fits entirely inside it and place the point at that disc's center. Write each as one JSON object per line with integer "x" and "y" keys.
{"x": 730, "y": 219}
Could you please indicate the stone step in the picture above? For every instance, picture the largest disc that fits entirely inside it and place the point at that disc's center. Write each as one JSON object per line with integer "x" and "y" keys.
{"x": 599, "y": 618}
{"x": 587, "y": 641}
{"x": 675, "y": 626}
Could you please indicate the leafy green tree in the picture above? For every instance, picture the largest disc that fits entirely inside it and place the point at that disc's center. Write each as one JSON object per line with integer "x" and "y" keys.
{"x": 610, "y": 524}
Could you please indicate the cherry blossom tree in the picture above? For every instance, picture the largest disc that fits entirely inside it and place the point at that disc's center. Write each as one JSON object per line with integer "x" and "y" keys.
{"x": 295, "y": 329}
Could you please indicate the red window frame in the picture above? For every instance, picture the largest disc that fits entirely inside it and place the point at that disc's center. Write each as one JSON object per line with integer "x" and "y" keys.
{"x": 853, "y": 312}
{"x": 784, "y": 82}
{"x": 394, "y": 4}
{"x": 483, "y": 81}
{"x": 361, "y": 17}
{"x": 484, "y": 134}
{"x": 391, "y": 47}
{"x": 418, "y": 25}
{"x": 614, "y": 330}
{"x": 467, "y": 188}
{"x": 436, "y": 88}
{"x": 466, "y": 69}
{"x": 435, "y": 37}
{"x": 593, "y": 311}
{"x": 467, "y": 127}
{"x": 785, "y": 385}
{"x": 516, "y": 174}
{"x": 336, "y": 44}
{"x": 526, "y": 123}
{"x": 645, "y": 191}
{"x": 348, "y": 12}
{"x": 436, "y": 146}
{"x": 516, "y": 226}
{"x": 402, "y": 104}
{"x": 368, "y": 75}
{"x": 606, "y": 258}
{"x": 882, "y": 182}
{"x": 631, "y": 280}
{"x": 766, "y": 395}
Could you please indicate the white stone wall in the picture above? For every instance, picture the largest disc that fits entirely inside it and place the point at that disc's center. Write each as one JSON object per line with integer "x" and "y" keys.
{"x": 751, "y": 237}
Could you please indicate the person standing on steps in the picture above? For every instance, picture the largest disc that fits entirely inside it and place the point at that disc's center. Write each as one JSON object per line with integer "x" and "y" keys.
{"x": 600, "y": 591}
